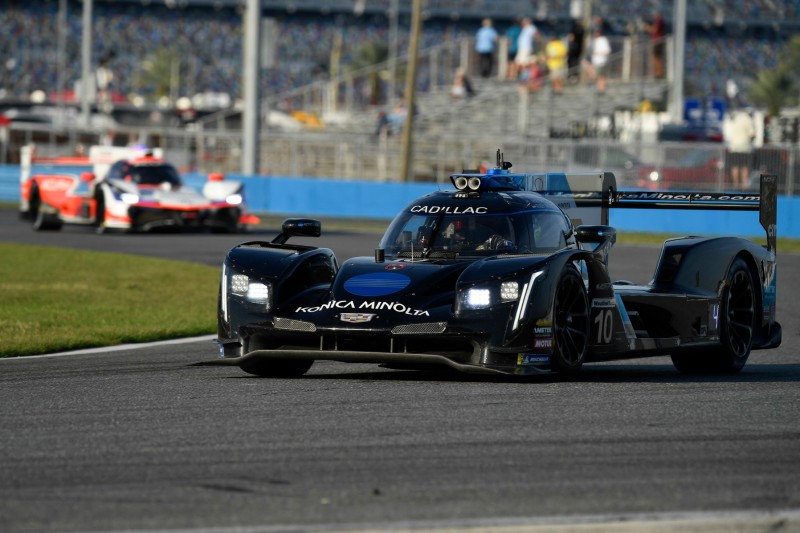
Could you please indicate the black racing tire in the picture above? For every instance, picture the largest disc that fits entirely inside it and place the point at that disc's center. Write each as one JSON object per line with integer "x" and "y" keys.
{"x": 277, "y": 368}
{"x": 99, "y": 212}
{"x": 41, "y": 220}
{"x": 570, "y": 323}
{"x": 736, "y": 329}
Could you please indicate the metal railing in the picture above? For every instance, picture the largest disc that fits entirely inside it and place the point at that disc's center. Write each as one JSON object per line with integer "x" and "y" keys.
{"x": 655, "y": 165}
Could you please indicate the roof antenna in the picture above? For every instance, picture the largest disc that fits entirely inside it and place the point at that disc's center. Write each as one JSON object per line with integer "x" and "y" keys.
{"x": 501, "y": 163}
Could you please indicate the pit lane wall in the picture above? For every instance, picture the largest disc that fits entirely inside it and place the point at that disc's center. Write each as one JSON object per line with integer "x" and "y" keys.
{"x": 332, "y": 198}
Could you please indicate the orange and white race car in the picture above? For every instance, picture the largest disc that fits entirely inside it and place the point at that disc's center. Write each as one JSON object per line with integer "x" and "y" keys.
{"x": 125, "y": 188}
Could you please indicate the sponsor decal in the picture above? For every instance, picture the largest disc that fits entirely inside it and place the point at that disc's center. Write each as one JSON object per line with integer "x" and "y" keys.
{"x": 450, "y": 209}
{"x": 376, "y": 284}
{"x": 543, "y": 343}
{"x": 690, "y": 197}
{"x": 543, "y": 331}
{"x": 532, "y": 359}
{"x": 56, "y": 184}
{"x": 604, "y": 303}
{"x": 395, "y": 307}
{"x": 356, "y": 318}
{"x": 394, "y": 266}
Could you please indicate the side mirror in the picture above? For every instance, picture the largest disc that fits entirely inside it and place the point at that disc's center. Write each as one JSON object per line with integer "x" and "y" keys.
{"x": 298, "y": 227}
{"x": 602, "y": 237}
{"x": 595, "y": 234}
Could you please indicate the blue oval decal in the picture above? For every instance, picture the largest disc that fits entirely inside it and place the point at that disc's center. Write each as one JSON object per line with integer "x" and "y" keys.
{"x": 378, "y": 284}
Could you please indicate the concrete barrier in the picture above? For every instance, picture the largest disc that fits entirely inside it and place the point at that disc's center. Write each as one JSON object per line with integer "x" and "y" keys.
{"x": 332, "y": 198}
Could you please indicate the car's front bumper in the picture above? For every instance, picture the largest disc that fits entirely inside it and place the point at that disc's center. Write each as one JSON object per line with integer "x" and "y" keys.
{"x": 466, "y": 348}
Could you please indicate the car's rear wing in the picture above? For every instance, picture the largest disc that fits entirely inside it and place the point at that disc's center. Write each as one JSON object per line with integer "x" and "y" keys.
{"x": 31, "y": 164}
{"x": 99, "y": 160}
{"x": 765, "y": 201}
{"x": 587, "y": 197}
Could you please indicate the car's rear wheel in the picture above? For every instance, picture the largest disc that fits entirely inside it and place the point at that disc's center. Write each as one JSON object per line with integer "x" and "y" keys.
{"x": 38, "y": 213}
{"x": 99, "y": 212}
{"x": 277, "y": 368}
{"x": 736, "y": 329}
{"x": 570, "y": 323}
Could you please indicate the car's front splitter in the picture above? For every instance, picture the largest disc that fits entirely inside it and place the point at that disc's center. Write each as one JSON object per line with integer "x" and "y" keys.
{"x": 153, "y": 218}
{"x": 409, "y": 359}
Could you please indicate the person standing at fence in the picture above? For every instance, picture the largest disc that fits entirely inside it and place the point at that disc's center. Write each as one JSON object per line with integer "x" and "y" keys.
{"x": 511, "y": 35}
{"x": 657, "y": 30}
{"x": 525, "y": 45}
{"x": 739, "y": 131}
{"x": 599, "y": 50}
{"x": 556, "y": 53}
{"x": 485, "y": 45}
{"x": 574, "y": 51}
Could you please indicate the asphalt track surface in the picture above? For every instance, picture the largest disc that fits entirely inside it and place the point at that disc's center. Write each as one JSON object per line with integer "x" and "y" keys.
{"x": 143, "y": 438}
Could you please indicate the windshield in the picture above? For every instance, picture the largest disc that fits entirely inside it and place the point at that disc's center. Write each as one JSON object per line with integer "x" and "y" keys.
{"x": 450, "y": 236}
{"x": 155, "y": 175}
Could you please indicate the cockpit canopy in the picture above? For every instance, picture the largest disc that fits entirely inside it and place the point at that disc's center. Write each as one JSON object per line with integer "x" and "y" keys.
{"x": 447, "y": 235}
{"x": 146, "y": 174}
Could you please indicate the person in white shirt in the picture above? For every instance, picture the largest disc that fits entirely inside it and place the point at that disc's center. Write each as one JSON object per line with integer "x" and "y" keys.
{"x": 600, "y": 49}
{"x": 739, "y": 132}
{"x": 525, "y": 44}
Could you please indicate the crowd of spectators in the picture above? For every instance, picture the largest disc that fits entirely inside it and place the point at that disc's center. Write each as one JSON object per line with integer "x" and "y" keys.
{"x": 208, "y": 41}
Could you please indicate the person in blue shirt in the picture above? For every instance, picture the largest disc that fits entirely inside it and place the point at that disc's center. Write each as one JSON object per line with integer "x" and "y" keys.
{"x": 512, "y": 34}
{"x": 485, "y": 45}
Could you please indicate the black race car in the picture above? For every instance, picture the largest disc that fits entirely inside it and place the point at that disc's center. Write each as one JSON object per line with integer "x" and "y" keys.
{"x": 506, "y": 273}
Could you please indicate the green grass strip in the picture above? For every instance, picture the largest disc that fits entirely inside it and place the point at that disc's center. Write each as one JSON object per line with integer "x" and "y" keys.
{"x": 56, "y": 299}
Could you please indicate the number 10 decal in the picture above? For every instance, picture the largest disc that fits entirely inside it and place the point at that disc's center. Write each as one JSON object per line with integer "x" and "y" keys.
{"x": 604, "y": 326}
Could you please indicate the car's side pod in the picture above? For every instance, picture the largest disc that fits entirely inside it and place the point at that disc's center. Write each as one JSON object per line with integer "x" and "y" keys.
{"x": 298, "y": 227}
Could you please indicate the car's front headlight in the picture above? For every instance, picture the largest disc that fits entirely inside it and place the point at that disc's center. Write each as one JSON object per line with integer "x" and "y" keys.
{"x": 509, "y": 291}
{"x": 251, "y": 290}
{"x": 654, "y": 176}
{"x": 486, "y": 295}
{"x": 234, "y": 199}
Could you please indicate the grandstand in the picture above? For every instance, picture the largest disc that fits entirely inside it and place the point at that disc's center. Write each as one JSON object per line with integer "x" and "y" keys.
{"x": 200, "y": 44}
{"x": 726, "y": 38}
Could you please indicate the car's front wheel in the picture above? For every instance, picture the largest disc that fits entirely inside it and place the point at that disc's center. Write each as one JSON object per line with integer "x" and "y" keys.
{"x": 570, "y": 323}
{"x": 737, "y": 315}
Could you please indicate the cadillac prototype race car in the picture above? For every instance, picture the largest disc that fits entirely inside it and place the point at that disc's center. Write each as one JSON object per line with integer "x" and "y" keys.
{"x": 505, "y": 273}
{"x": 130, "y": 189}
